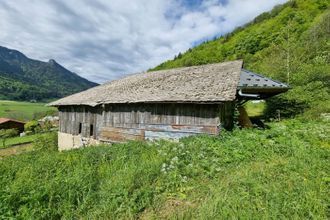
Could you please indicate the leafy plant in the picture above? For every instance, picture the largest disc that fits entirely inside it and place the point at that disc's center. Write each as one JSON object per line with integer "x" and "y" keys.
{"x": 32, "y": 127}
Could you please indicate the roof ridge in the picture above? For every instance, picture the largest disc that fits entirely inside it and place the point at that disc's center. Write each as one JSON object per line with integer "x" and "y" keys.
{"x": 2, "y": 120}
{"x": 204, "y": 83}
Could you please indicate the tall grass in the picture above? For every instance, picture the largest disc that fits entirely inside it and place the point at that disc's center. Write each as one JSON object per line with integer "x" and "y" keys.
{"x": 277, "y": 173}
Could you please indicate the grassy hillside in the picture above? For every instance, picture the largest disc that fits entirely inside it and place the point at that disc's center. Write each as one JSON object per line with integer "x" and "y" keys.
{"x": 291, "y": 43}
{"x": 24, "y": 110}
{"x": 22, "y": 78}
{"x": 277, "y": 173}
{"x": 251, "y": 174}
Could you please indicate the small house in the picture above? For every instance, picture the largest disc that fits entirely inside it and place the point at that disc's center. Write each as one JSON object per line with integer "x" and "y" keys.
{"x": 7, "y": 123}
{"x": 172, "y": 104}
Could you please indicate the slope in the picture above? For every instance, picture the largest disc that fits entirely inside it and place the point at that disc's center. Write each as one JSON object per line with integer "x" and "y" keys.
{"x": 290, "y": 43}
{"x": 22, "y": 78}
{"x": 263, "y": 177}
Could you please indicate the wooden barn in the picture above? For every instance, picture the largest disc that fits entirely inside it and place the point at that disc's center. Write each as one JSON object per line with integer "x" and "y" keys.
{"x": 7, "y": 123}
{"x": 171, "y": 103}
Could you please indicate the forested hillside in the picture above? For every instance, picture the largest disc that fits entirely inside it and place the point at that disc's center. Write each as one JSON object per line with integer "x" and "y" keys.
{"x": 290, "y": 43}
{"x": 22, "y": 78}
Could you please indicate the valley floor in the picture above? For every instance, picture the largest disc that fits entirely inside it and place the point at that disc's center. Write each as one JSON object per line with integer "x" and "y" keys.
{"x": 24, "y": 111}
{"x": 277, "y": 173}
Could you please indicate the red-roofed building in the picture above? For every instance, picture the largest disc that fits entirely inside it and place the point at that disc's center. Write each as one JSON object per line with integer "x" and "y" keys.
{"x": 7, "y": 123}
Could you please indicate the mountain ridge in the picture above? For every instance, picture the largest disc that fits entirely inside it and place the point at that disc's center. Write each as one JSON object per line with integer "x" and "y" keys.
{"x": 23, "y": 78}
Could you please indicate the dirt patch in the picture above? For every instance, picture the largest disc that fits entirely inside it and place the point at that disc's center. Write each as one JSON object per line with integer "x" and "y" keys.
{"x": 166, "y": 211}
{"x": 17, "y": 149}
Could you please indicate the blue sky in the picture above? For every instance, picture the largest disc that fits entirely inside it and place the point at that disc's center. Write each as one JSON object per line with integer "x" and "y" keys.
{"x": 103, "y": 40}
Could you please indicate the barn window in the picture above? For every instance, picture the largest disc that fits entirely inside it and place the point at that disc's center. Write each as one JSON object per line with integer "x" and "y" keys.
{"x": 91, "y": 130}
{"x": 80, "y": 128}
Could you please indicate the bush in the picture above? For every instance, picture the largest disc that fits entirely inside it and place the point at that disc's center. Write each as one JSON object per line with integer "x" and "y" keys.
{"x": 32, "y": 127}
{"x": 282, "y": 107}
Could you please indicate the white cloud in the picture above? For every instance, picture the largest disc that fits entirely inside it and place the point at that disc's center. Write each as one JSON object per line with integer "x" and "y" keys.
{"x": 102, "y": 40}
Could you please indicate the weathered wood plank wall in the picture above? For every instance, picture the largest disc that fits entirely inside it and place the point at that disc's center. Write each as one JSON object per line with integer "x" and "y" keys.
{"x": 121, "y": 122}
{"x": 72, "y": 116}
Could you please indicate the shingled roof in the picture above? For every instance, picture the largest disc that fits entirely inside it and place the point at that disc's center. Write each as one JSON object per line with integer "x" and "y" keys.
{"x": 206, "y": 83}
{"x": 249, "y": 79}
{"x": 4, "y": 120}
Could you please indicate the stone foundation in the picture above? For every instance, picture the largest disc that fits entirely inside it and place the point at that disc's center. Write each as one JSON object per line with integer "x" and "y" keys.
{"x": 68, "y": 141}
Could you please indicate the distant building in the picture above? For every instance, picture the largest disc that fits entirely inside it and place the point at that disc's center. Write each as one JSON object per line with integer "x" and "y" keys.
{"x": 7, "y": 123}
{"x": 170, "y": 103}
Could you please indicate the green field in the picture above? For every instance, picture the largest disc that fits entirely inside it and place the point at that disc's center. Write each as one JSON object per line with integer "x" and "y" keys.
{"x": 255, "y": 109}
{"x": 277, "y": 173}
{"x": 24, "y": 111}
{"x": 20, "y": 140}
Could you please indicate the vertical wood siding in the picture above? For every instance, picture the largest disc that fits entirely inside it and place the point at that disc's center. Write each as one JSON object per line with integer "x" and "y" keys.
{"x": 120, "y": 122}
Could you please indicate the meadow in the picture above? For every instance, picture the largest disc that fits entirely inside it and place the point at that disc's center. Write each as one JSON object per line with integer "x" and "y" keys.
{"x": 281, "y": 172}
{"x": 277, "y": 173}
{"x": 24, "y": 111}
{"x": 20, "y": 140}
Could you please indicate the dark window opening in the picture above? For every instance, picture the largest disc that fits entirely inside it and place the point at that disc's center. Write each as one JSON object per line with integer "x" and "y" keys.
{"x": 80, "y": 128}
{"x": 91, "y": 130}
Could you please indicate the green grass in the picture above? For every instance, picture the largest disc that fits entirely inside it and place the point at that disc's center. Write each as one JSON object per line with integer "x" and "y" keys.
{"x": 279, "y": 173}
{"x": 255, "y": 109}
{"x": 11, "y": 151}
{"x": 20, "y": 140}
{"x": 23, "y": 110}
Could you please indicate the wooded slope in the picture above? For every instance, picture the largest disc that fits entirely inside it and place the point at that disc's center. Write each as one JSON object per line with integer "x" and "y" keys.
{"x": 22, "y": 78}
{"x": 290, "y": 43}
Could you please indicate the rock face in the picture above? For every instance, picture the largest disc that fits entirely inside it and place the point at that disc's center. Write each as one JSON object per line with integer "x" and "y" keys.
{"x": 22, "y": 78}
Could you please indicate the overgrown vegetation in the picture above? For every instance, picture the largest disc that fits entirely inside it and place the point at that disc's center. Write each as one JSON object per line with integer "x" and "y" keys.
{"x": 277, "y": 173}
{"x": 290, "y": 44}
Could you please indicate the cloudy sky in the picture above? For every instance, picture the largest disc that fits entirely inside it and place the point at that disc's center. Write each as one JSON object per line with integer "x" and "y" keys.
{"x": 102, "y": 40}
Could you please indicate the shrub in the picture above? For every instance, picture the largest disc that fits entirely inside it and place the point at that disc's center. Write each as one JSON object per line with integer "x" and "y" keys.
{"x": 32, "y": 127}
{"x": 280, "y": 106}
